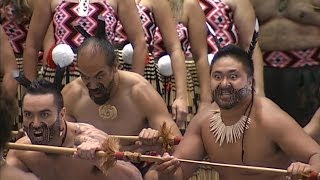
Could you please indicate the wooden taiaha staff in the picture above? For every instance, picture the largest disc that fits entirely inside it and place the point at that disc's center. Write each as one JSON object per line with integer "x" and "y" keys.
{"x": 174, "y": 141}
{"x": 166, "y": 138}
{"x": 112, "y": 154}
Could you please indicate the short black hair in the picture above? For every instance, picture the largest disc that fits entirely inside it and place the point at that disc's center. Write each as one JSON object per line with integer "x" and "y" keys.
{"x": 100, "y": 45}
{"x": 43, "y": 87}
{"x": 8, "y": 112}
{"x": 238, "y": 54}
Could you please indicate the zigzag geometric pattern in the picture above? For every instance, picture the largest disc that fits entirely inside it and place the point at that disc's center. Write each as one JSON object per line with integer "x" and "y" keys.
{"x": 17, "y": 33}
{"x": 220, "y": 17}
{"x": 293, "y": 59}
{"x": 159, "y": 47}
{"x": 66, "y": 15}
{"x": 148, "y": 24}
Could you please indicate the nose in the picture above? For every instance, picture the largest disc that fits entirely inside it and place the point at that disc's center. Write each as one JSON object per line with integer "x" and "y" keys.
{"x": 36, "y": 122}
{"x": 92, "y": 85}
{"x": 224, "y": 81}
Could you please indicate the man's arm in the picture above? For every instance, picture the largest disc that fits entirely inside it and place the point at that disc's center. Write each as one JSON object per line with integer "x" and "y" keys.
{"x": 155, "y": 112}
{"x": 313, "y": 127}
{"x": 191, "y": 147}
{"x": 88, "y": 140}
{"x": 86, "y": 132}
{"x": 152, "y": 105}
{"x": 289, "y": 136}
{"x": 14, "y": 156}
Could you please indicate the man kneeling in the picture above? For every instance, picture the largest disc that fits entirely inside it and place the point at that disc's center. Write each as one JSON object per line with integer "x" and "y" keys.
{"x": 44, "y": 123}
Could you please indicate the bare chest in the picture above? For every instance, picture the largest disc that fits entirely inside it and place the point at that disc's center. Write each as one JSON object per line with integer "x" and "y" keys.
{"x": 254, "y": 148}
{"x": 125, "y": 118}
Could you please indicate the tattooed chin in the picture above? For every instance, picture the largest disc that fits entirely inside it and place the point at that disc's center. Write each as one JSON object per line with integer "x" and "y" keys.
{"x": 38, "y": 135}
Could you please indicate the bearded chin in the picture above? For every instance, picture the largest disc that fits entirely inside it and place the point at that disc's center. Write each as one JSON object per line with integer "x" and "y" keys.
{"x": 105, "y": 94}
{"x": 101, "y": 100}
{"x": 236, "y": 97}
{"x": 48, "y": 133}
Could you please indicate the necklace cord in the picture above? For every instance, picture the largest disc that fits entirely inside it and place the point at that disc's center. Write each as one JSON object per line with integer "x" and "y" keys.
{"x": 242, "y": 141}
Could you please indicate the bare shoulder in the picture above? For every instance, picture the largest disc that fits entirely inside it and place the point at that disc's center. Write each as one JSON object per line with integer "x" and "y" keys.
{"x": 269, "y": 114}
{"x": 201, "y": 119}
{"x": 73, "y": 90}
{"x": 139, "y": 86}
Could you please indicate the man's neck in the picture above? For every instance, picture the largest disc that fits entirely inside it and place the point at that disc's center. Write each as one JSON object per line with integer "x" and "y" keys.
{"x": 230, "y": 116}
{"x": 66, "y": 136}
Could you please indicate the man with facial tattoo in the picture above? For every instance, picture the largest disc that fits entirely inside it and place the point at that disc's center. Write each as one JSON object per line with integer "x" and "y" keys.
{"x": 44, "y": 123}
{"x": 242, "y": 128}
{"x": 115, "y": 101}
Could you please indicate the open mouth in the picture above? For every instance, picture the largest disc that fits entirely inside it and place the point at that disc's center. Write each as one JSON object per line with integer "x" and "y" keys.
{"x": 38, "y": 135}
{"x": 225, "y": 94}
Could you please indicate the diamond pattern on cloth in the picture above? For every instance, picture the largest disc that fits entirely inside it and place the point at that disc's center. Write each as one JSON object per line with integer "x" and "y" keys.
{"x": 16, "y": 32}
{"x": 220, "y": 17}
{"x": 292, "y": 59}
{"x": 159, "y": 47}
{"x": 148, "y": 25}
{"x": 66, "y": 15}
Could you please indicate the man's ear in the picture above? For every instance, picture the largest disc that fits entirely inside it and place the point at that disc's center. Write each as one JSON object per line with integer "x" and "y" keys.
{"x": 62, "y": 113}
{"x": 251, "y": 82}
{"x": 115, "y": 68}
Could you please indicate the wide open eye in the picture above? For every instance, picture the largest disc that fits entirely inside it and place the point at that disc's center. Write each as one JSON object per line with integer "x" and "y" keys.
{"x": 233, "y": 76}
{"x": 44, "y": 115}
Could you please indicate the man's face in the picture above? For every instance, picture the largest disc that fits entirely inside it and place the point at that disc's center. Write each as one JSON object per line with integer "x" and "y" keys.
{"x": 41, "y": 119}
{"x": 97, "y": 76}
{"x": 229, "y": 82}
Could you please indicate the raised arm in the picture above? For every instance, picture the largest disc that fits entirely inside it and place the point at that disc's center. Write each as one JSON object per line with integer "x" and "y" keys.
{"x": 198, "y": 40}
{"x": 7, "y": 65}
{"x": 39, "y": 23}
{"x": 165, "y": 22}
{"x": 129, "y": 18}
{"x": 313, "y": 127}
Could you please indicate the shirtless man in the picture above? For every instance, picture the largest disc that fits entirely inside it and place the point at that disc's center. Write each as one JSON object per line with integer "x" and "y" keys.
{"x": 290, "y": 41}
{"x": 44, "y": 123}
{"x": 268, "y": 140}
{"x": 117, "y": 102}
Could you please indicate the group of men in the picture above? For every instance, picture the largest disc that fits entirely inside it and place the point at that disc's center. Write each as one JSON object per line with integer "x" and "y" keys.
{"x": 239, "y": 127}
